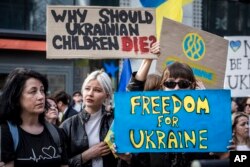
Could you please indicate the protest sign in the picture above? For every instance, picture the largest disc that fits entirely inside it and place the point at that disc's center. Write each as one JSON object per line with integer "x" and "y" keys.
{"x": 237, "y": 76}
{"x": 205, "y": 52}
{"x": 99, "y": 32}
{"x": 109, "y": 139}
{"x": 173, "y": 121}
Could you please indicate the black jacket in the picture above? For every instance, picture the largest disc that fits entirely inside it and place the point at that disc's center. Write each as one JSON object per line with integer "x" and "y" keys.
{"x": 69, "y": 113}
{"x": 77, "y": 142}
{"x": 134, "y": 84}
{"x": 77, "y": 139}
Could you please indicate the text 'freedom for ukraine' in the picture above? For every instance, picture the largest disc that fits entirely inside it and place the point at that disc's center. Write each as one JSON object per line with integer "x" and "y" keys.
{"x": 163, "y": 107}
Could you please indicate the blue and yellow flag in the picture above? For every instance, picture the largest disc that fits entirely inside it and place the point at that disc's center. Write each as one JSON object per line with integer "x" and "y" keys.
{"x": 125, "y": 75}
{"x": 171, "y": 9}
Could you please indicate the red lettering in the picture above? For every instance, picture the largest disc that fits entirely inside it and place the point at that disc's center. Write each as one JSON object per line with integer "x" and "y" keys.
{"x": 153, "y": 39}
{"x": 127, "y": 44}
{"x": 143, "y": 44}
{"x": 137, "y": 44}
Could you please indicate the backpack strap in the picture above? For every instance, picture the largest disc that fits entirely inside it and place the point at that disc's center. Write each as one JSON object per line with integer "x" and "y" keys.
{"x": 52, "y": 130}
{"x": 14, "y": 134}
{"x": 55, "y": 135}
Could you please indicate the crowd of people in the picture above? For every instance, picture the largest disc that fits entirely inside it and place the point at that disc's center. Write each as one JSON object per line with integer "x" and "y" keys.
{"x": 240, "y": 123}
{"x": 40, "y": 130}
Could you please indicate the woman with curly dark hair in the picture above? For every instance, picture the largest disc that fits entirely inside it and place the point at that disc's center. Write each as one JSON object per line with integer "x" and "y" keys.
{"x": 22, "y": 109}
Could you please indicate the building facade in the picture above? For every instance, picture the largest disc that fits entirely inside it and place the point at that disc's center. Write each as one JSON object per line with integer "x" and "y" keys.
{"x": 23, "y": 39}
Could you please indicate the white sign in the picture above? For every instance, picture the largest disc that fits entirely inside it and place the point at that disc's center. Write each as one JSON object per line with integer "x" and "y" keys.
{"x": 237, "y": 76}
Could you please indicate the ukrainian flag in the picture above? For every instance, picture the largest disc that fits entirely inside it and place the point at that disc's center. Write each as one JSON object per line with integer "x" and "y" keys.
{"x": 171, "y": 9}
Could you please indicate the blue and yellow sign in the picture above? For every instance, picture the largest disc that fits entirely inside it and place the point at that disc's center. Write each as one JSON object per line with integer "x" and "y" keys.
{"x": 193, "y": 46}
{"x": 201, "y": 72}
{"x": 173, "y": 121}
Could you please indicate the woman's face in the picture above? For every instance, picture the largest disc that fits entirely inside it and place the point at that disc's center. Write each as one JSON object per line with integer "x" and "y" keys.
{"x": 242, "y": 127}
{"x": 77, "y": 98}
{"x": 176, "y": 84}
{"x": 93, "y": 95}
{"x": 234, "y": 106}
{"x": 32, "y": 99}
{"x": 52, "y": 111}
{"x": 247, "y": 106}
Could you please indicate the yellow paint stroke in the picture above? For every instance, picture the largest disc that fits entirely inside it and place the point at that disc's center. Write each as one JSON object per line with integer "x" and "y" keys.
{"x": 211, "y": 79}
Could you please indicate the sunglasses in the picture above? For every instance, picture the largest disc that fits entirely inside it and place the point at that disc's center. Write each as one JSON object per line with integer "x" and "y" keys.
{"x": 247, "y": 105}
{"x": 182, "y": 84}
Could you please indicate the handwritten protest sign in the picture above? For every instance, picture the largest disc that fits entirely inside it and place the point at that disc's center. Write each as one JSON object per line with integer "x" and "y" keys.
{"x": 99, "y": 32}
{"x": 237, "y": 76}
{"x": 205, "y": 52}
{"x": 173, "y": 121}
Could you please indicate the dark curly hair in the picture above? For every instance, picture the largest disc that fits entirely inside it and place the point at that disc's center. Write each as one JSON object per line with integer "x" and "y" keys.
{"x": 10, "y": 109}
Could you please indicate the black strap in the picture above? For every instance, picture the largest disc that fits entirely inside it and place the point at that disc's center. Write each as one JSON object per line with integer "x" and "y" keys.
{"x": 52, "y": 130}
{"x": 55, "y": 135}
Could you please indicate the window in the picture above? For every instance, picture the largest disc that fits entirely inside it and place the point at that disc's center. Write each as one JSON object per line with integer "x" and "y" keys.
{"x": 59, "y": 78}
{"x": 226, "y": 17}
{"x": 28, "y": 15}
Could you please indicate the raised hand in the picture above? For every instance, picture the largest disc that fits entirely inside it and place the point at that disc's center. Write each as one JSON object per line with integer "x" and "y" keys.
{"x": 155, "y": 49}
{"x": 200, "y": 85}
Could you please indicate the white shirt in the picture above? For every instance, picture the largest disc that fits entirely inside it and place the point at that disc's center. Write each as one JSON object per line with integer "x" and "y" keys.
{"x": 78, "y": 107}
{"x": 62, "y": 113}
{"x": 93, "y": 130}
{"x": 242, "y": 148}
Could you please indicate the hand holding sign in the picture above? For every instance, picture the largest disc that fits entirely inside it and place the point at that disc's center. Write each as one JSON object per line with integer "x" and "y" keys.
{"x": 164, "y": 121}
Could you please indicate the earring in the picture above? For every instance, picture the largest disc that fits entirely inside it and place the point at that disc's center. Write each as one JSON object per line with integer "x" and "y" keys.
{"x": 107, "y": 104}
{"x": 108, "y": 108}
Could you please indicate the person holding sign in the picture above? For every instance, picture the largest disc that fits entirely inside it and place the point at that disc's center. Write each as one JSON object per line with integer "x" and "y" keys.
{"x": 86, "y": 131}
{"x": 26, "y": 138}
{"x": 176, "y": 76}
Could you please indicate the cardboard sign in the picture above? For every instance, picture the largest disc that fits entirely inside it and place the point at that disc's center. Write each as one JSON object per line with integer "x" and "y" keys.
{"x": 237, "y": 76}
{"x": 99, "y": 32}
{"x": 173, "y": 121}
{"x": 205, "y": 52}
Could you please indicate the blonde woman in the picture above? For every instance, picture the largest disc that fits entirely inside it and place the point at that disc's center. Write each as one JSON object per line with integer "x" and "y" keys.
{"x": 85, "y": 132}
